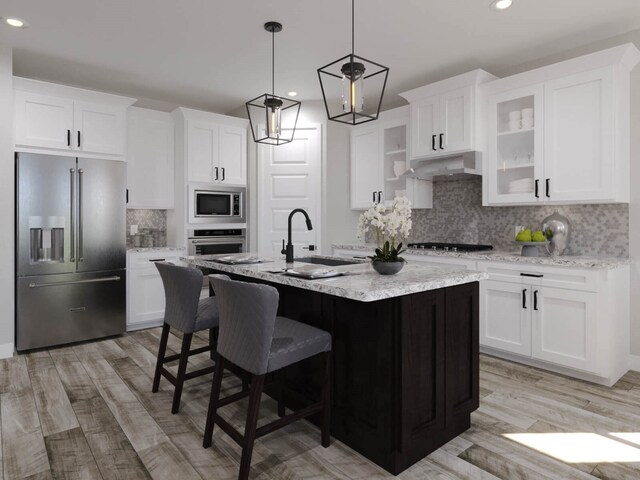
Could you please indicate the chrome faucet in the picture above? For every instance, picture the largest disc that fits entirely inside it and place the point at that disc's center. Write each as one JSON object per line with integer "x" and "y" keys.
{"x": 288, "y": 250}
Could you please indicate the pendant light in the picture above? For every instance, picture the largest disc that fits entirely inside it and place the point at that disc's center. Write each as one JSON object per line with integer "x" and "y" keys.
{"x": 343, "y": 85}
{"x": 272, "y": 118}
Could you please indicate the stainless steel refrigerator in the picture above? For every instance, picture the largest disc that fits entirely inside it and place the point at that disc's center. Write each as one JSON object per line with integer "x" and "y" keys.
{"x": 70, "y": 249}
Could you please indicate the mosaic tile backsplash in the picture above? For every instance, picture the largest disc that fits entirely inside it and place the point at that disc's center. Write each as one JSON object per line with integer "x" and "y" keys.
{"x": 458, "y": 216}
{"x": 152, "y": 228}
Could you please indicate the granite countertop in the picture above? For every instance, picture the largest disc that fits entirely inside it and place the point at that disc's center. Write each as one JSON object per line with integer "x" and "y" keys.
{"x": 153, "y": 249}
{"x": 360, "y": 281}
{"x": 595, "y": 263}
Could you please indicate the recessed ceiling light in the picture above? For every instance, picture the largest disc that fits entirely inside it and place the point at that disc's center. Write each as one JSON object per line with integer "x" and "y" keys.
{"x": 292, "y": 94}
{"x": 15, "y": 22}
{"x": 501, "y": 4}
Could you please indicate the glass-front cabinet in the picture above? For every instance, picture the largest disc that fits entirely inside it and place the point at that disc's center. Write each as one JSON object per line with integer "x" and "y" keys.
{"x": 515, "y": 146}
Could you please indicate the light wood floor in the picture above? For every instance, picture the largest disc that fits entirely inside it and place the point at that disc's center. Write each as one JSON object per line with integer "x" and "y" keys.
{"x": 87, "y": 411}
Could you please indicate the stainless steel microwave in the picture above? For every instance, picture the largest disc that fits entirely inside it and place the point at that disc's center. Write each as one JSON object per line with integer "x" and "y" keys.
{"x": 216, "y": 204}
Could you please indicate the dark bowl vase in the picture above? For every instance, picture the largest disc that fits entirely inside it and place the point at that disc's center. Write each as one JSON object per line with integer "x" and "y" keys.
{"x": 387, "y": 268}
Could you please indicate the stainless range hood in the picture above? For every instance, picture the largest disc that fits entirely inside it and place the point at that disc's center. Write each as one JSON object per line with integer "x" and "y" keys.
{"x": 466, "y": 165}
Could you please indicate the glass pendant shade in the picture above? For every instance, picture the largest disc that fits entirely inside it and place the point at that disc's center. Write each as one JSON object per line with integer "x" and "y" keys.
{"x": 343, "y": 87}
{"x": 273, "y": 118}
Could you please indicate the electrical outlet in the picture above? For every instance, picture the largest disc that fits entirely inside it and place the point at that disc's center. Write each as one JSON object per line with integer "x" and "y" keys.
{"x": 133, "y": 229}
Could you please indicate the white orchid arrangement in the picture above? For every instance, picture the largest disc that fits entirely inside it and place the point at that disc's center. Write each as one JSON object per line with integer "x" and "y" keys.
{"x": 392, "y": 226}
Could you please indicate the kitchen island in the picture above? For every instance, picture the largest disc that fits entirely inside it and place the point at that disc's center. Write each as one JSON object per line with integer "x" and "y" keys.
{"x": 405, "y": 353}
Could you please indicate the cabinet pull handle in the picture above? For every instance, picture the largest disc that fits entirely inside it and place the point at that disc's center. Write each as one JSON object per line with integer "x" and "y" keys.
{"x": 127, "y": 196}
{"x": 380, "y": 196}
{"x": 157, "y": 260}
{"x": 433, "y": 143}
{"x": 78, "y": 138}
{"x": 374, "y": 197}
{"x": 223, "y": 174}
{"x": 68, "y": 138}
{"x": 217, "y": 173}
{"x": 547, "y": 187}
{"x": 441, "y": 139}
{"x": 534, "y": 275}
{"x": 535, "y": 299}
{"x": 524, "y": 298}
{"x": 537, "y": 183}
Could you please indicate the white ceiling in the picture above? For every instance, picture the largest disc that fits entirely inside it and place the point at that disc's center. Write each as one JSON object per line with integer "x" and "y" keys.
{"x": 215, "y": 55}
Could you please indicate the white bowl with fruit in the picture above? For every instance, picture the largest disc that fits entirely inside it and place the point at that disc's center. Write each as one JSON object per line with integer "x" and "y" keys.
{"x": 531, "y": 241}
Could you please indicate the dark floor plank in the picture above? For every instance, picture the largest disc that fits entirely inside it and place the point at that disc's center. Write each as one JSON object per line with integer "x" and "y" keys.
{"x": 70, "y": 456}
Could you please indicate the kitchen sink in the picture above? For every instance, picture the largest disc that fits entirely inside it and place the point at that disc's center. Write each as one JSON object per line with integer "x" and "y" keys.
{"x": 330, "y": 262}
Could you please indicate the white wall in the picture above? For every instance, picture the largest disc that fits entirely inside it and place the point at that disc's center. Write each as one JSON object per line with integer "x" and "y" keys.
{"x": 6, "y": 204}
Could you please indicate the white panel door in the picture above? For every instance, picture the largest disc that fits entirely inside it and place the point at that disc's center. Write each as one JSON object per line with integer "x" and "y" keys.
{"x": 150, "y": 157}
{"x": 579, "y": 137}
{"x": 455, "y": 121}
{"x": 99, "y": 128}
{"x": 202, "y": 151}
{"x": 424, "y": 127}
{"x": 43, "y": 121}
{"x": 565, "y": 327}
{"x": 505, "y": 316}
{"x": 366, "y": 167}
{"x": 289, "y": 177}
{"x": 233, "y": 155}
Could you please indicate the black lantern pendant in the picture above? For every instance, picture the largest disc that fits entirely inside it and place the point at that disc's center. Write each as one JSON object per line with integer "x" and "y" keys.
{"x": 343, "y": 82}
{"x": 272, "y": 118}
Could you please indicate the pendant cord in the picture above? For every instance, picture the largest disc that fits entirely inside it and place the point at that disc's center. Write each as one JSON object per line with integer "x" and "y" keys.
{"x": 353, "y": 27}
{"x": 273, "y": 62}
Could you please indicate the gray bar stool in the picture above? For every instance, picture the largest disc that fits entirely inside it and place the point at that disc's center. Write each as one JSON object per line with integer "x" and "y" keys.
{"x": 185, "y": 312}
{"x": 254, "y": 338}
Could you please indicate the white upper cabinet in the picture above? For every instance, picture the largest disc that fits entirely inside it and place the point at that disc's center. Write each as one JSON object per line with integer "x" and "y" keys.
{"x": 150, "y": 158}
{"x": 425, "y": 123}
{"x": 216, "y": 148}
{"x": 378, "y": 153}
{"x": 445, "y": 116}
{"x": 202, "y": 151}
{"x": 60, "y": 119}
{"x": 455, "y": 120}
{"x": 43, "y": 121}
{"x": 575, "y": 149}
{"x": 365, "y": 167}
{"x": 233, "y": 155}
{"x": 580, "y": 131}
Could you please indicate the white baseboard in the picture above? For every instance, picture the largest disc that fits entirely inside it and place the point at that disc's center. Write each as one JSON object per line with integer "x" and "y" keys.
{"x": 6, "y": 350}
{"x": 634, "y": 362}
{"x": 143, "y": 325}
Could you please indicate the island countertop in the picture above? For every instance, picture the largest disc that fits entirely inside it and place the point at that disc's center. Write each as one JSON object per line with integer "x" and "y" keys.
{"x": 359, "y": 282}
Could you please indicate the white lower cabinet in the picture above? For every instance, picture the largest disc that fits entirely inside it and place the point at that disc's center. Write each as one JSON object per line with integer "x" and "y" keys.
{"x": 505, "y": 317}
{"x": 565, "y": 328}
{"x": 145, "y": 292}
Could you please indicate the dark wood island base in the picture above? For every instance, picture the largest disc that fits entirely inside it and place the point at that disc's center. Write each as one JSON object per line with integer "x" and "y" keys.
{"x": 405, "y": 369}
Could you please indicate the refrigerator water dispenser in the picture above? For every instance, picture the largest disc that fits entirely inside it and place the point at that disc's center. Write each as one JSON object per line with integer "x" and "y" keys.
{"x": 47, "y": 239}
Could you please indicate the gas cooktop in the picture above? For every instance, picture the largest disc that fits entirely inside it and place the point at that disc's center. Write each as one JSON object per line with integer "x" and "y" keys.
{"x": 450, "y": 247}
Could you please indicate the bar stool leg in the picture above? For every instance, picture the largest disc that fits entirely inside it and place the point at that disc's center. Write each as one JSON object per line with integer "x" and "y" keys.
{"x": 182, "y": 370}
{"x": 216, "y": 386}
{"x": 257, "y": 382}
{"x": 326, "y": 400}
{"x": 161, "y": 354}
{"x": 280, "y": 377}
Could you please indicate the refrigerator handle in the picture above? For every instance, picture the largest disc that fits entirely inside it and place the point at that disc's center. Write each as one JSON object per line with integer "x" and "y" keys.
{"x": 72, "y": 174}
{"x": 80, "y": 221}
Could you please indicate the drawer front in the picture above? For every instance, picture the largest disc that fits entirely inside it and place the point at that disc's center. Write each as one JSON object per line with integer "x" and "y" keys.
{"x": 147, "y": 259}
{"x": 441, "y": 261}
{"x": 553, "y": 277}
